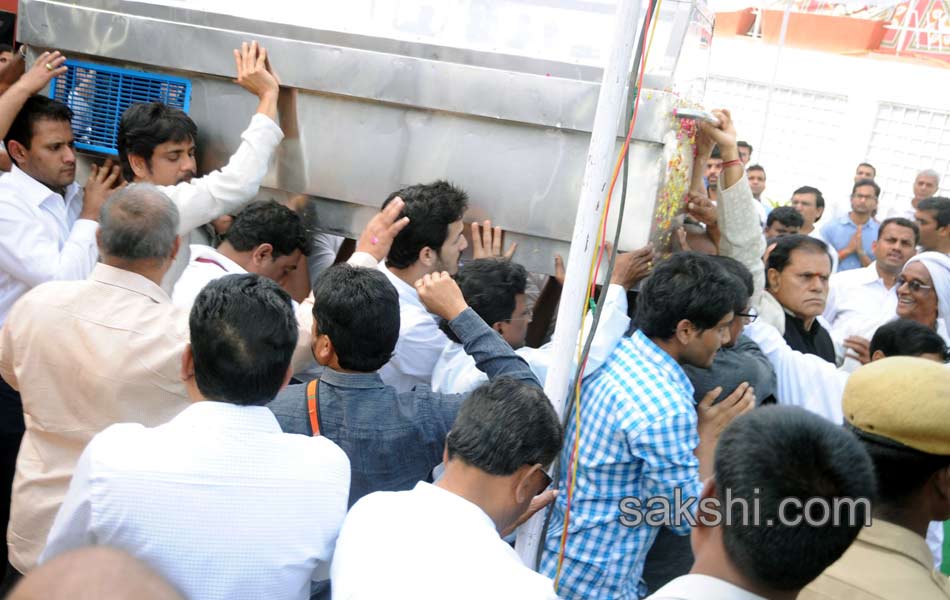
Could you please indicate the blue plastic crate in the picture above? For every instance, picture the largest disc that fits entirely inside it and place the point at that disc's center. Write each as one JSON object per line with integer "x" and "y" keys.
{"x": 99, "y": 94}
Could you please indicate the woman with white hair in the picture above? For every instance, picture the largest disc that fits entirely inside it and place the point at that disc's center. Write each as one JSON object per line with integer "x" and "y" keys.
{"x": 923, "y": 292}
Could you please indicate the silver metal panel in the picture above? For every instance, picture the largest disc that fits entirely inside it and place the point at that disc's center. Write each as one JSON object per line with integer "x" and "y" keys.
{"x": 376, "y": 114}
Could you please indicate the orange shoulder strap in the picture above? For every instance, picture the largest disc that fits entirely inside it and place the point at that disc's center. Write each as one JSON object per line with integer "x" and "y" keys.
{"x": 313, "y": 406}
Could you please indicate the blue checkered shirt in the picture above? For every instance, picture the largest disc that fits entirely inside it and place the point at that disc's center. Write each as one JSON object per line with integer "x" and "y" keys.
{"x": 638, "y": 434}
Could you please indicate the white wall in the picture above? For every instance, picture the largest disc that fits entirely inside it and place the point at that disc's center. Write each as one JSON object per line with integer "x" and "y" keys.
{"x": 829, "y": 112}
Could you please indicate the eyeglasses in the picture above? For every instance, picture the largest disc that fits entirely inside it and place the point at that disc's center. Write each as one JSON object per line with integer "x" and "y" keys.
{"x": 527, "y": 317}
{"x": 749, "y": 316}
{"x": 545, "y": 481}
{"x": 864, "y": 196}
{"x": 913, "y": 285}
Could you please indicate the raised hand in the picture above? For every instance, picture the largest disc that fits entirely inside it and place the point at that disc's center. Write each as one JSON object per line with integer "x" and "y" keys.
{"x": 441, "y": 295}
{"x": 100, "y": 185}
{"x": 47, "y": 66}
{"x": 378, "y": 235}
{"x": 253, "y": 71}
{"x": 632, "y": 267}
{"x": 487, "y": 242}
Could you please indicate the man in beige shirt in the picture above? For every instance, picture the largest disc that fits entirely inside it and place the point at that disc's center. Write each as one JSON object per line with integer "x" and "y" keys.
{"x": 87, "y": 354}
{"x": 898, "y": 407}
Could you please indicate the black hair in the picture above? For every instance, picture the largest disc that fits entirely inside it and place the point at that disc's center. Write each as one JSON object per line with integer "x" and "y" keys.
{"x": 36, "y": 108}
{"x": 690, "y": 286}
{"x": 741, "y": 144}
{"x": 901, "y": 470}
{"x": 431, "y": 208}
{"x": 872, "y": 167}
{"x": 243, "y": 334}
{"x": 756, "y": 168}
{"x": 797, "y": 455}
{"x": 6, "y": 48}
{"x": 938, "y": 205}
{"x": 716, "y": 153}
{"x": 864, "y": 182}
{"x": 358, "y": 309}
{"x": 904, "y": 337}
{"x": 742, "y": 274}
{"x": 902, "y": 222}
{"x": 504, "y": 425}
{"x": 145, "y": 125}
{"x": 807, "y": 189}
{"x": 268, "y": 222}
{"x": 786, "y": 244}
{"x": 786, "y": 215}
{"x": 490, "y": 287}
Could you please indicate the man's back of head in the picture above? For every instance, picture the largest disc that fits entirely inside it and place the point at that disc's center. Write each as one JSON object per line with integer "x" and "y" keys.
{"x": 904, "y": 337}
{"x": 898, "y": 407}
{"x": 243, "y": 334}
{"x": 94, "y": 573}
{"x": 138, "y": 223}
{"x": 356, "y": 318}
{"x": 507, "y": 429}
{"x": 811, "y": 484}
{"x": 432, "y": 208}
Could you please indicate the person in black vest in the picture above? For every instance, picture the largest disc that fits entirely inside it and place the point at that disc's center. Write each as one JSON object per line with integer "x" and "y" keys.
{"x": 797, "y": 271}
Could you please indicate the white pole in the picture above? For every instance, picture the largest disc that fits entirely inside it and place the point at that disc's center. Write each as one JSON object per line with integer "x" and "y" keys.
{"x": 778, "y": 57}
{"x": 601, "y": 156}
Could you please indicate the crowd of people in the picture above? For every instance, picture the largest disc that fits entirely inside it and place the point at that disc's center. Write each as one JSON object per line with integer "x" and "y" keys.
{"x": 202, "y": 398}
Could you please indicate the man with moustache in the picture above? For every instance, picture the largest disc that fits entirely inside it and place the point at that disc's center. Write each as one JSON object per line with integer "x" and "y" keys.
{"x": 798, "y": 270}
{"x": 853, "y": 234}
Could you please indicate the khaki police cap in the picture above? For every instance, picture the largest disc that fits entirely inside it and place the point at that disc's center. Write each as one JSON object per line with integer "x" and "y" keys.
{"x": 903, "y": 399}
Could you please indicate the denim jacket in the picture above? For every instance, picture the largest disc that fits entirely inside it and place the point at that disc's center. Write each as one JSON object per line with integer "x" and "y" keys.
{"x": 394, "y": 440}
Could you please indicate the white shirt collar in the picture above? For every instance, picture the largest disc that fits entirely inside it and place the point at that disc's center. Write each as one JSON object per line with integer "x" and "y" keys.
{"x": 209, "y": 253}
{"x": 406, "y": 292}
{"x": 704, "y": 587}
{"x": 223, "y": 415}
{"x": 35, "y": 192}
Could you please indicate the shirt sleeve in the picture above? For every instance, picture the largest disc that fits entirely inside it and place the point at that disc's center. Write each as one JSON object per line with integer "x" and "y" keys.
{"x": 73, "y": 525}
{"x": 742, "y": 237}
{"x": 667, "y": 448}
{"x": 30, "y": 255}
{"x": 362, "y": 259}
{"x": 226, "y": 190}
{"x": 492, "y": 354}
{"x": 803, "y": 380}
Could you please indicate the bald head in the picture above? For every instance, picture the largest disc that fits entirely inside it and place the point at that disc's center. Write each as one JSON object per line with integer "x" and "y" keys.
{"x": 93, "y": 573}
{"x": 138, "y": 222}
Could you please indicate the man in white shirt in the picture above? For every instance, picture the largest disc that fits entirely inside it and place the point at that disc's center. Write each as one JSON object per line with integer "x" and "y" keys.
{"x": 431, "y": 243}
{"x": 48, "y": 226}
{"x": 87, "y": 354}
{"x": 495, "y": 290}
{"x": 810, "y": 204}
{"x": 926, "y": 185}
{"x": 218, "y": 500}
{"x": 266, "y": 238}
{"x": 157, "y": 145}
{"x": 442, "y": 540}
{"x": 861, "y": 300}
{"x": 933, "y": 218}
{"x": 775, "y": 550}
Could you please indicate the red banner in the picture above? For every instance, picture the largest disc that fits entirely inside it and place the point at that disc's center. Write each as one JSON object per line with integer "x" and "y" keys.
{"x": 919, "y": 28}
